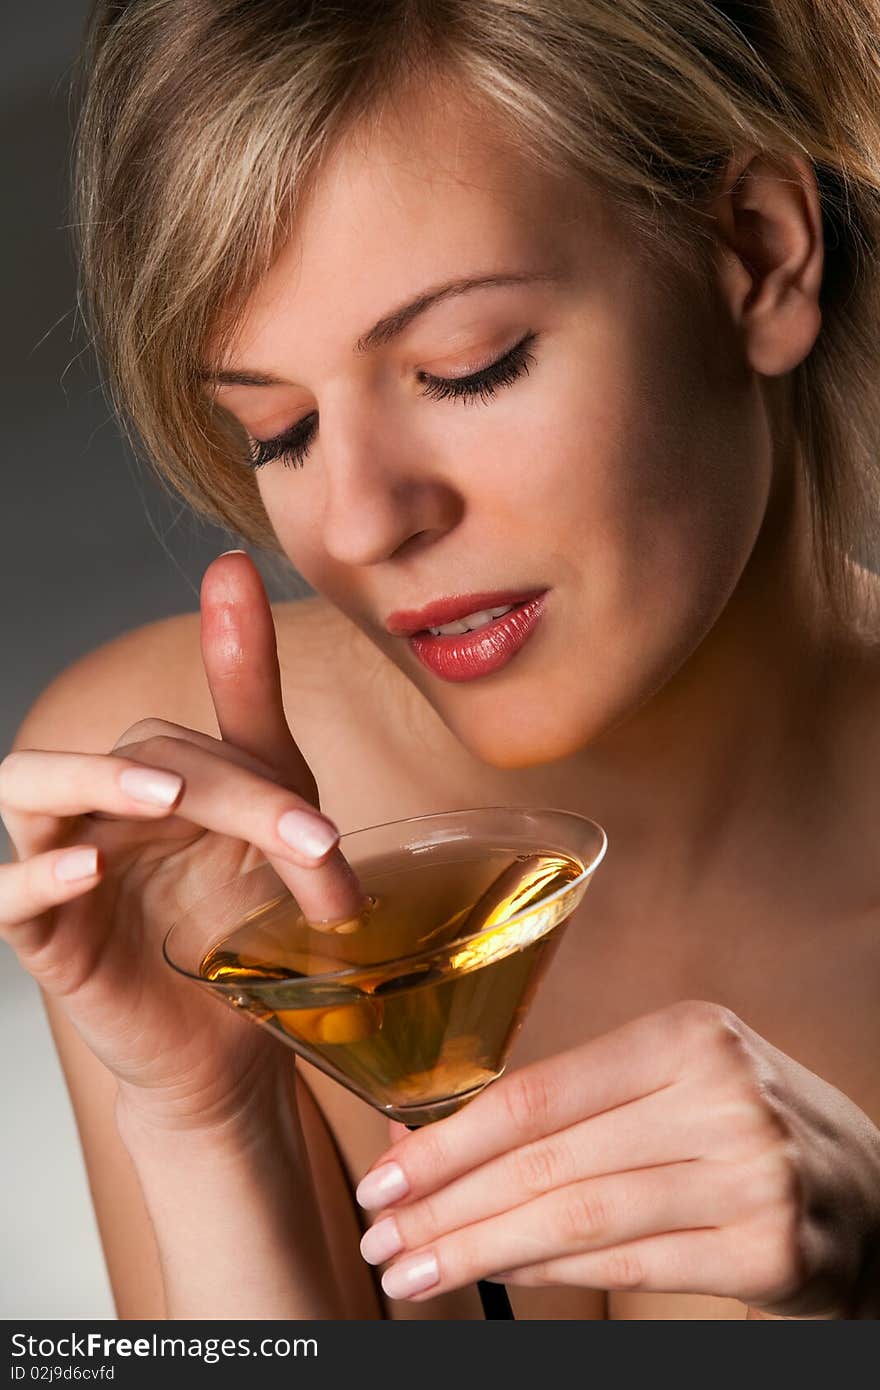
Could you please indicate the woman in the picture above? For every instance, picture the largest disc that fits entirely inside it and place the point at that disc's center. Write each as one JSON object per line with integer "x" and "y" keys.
{"x": 640, "y": 244}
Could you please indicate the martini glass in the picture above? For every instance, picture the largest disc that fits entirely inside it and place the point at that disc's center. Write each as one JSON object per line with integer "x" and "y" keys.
{"x": 414, "y": 1004}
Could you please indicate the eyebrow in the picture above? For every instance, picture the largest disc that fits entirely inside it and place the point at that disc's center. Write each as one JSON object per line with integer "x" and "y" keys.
{"x": 392, "y": 325}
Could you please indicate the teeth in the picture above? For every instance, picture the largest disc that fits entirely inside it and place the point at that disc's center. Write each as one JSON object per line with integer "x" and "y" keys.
{"x": 470, "y": 622}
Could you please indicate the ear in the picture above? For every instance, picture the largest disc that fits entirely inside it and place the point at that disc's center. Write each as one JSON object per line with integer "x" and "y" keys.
{"x": 769, "y": 223}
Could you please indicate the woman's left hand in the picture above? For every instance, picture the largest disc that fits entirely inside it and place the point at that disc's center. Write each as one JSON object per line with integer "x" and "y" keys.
{"x": 678, "y": 1153}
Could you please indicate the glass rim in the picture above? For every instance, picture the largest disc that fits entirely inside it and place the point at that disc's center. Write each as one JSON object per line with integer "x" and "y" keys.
{"x": 339, "y": 976}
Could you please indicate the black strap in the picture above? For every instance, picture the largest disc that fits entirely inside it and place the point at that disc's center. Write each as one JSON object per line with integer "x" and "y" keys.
{"x": 494, "y": 1299}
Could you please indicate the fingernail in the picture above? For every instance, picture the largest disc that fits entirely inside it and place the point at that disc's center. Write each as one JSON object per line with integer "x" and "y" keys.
{"x": 231, "y": 552}
{"x": 145, "y": 784}
{"x": 308, "y": 834}
{"x": 383, "y": 1186}
{"x": 411, "y": 1276}
{"x": 79, "y": 863}
{"x": 381, "y": 1241}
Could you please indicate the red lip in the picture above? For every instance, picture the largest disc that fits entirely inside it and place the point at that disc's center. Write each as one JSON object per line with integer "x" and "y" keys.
{"x": 470, "y": 655}
{"x": 407, "y": 621}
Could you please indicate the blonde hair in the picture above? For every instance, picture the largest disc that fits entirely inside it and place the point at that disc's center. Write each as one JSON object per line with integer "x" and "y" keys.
{"x": 203, "y": 122}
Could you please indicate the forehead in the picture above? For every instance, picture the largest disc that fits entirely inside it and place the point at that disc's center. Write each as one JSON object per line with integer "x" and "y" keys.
{"x": 430, "y": 193}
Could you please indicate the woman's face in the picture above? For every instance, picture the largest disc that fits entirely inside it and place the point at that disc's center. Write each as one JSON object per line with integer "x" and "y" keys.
{"x": 626, "y": 471}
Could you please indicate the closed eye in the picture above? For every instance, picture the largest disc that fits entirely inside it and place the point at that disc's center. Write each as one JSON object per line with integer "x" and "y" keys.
{"x": 293, "y": 445}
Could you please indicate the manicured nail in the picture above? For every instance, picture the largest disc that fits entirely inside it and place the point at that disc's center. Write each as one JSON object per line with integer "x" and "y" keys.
{"x": 145, "y": 784}
{"x": 309, "y": 835}
{"x": 79, "y": 863}
{"x": 411, "y": 1276}
{"x": 383, "y": 1186}
{"x": 381, "y": 1241}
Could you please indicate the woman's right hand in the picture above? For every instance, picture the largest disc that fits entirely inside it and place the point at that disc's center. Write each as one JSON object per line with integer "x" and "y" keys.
{"x": 94, "y": 942}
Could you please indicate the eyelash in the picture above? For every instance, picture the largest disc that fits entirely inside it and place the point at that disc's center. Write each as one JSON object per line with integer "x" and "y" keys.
{"x": 293, "y": 446}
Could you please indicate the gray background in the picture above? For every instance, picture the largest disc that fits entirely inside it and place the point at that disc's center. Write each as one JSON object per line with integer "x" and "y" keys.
{"x": 92, "y": 546}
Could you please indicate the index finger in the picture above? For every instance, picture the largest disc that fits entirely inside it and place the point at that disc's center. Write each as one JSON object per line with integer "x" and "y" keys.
{"x": 240, "y": 656}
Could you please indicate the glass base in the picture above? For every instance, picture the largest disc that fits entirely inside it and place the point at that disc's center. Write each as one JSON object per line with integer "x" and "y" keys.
{"x": 417, "y": 1115}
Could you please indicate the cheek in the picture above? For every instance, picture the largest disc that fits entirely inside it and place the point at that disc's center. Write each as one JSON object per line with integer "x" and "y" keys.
{"x": 658, "y": 505}
{"x": 682, "y": 489}
{"x": 290, "y": 501}
{"x": 642, "y": 483}
{"x": 642, "y": 507}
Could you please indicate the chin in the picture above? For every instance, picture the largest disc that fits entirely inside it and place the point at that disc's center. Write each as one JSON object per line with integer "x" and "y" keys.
{"x": 526, "y": 739}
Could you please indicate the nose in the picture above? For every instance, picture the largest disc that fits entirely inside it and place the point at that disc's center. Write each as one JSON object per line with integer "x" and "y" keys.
{"x": 384, "y": 496}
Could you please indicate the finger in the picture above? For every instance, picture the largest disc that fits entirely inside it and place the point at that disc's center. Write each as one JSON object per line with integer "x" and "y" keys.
{"x": 665, "y": 1127}
{"x": 230, "y": 800}
{"x": 635, "y": 1060}
{"x": 30, "y": 888}
{"x": 40, "y": 789}
{"x": 131, "y": 741}
{"x": 240, "y": 655}
{"x": 345, "y": 893}
{"x": 67, "y": 784}
{"x": 151, "y": 728}
{"x": 590, "y": 1215}
{"x": 236, "y": 802}
{"x": 698, "y": 1261}
{"x": 746, "y": 1261}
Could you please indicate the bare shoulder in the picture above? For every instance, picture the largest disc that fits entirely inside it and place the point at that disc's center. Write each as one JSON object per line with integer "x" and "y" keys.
{"x": 146, "y": 671}
{"x": 155, "y": 671}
